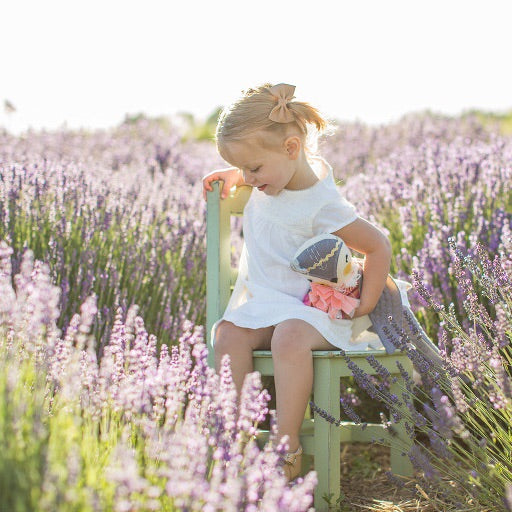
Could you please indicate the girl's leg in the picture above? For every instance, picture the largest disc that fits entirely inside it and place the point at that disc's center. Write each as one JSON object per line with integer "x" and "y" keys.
{"x": 239, "y": 342}
{"x": 292, "y": 343}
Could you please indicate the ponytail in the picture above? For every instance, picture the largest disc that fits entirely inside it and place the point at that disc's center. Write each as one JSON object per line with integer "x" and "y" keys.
{"x": 270, "y": 108}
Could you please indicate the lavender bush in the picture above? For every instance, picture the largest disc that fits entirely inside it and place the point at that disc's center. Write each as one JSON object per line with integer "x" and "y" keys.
{"x": 426, "y": 181}
{"x": 423, "y": 180}
{"x": 353, "y": 147}
{"x": 118, "y": 434}
{"x": 118, "y": 214}
{"x": 459, "y": 417}
{"x": 472, "y": 416}
{"x": 422, "y": 195}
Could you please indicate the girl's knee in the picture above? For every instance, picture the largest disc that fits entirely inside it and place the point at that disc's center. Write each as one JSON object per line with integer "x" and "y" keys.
{"x": 230, "y": 337}
{"x": 288, "y": 338}
{"x": 224, "y": 336}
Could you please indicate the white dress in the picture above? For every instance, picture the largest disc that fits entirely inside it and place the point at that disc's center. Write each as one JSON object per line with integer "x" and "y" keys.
{"x": 267, "y": 290}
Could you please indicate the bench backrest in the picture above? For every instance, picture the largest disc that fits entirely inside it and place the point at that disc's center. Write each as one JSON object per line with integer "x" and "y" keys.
{"x": 220, "y": 276}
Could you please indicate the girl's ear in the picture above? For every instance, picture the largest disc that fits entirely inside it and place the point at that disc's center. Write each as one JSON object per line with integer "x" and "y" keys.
{"x": 292, "y": 145}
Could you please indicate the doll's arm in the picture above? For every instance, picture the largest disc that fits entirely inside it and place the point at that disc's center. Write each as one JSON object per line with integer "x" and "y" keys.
{"x": 367, "y": 239}
{"x": 231, "y": 176}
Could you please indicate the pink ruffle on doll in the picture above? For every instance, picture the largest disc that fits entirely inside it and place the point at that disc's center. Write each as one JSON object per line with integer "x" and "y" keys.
{"x": 334, "y": 274}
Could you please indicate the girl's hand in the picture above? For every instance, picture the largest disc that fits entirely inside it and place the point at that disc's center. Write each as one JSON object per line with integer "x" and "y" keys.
{"x": 231, "y": 176}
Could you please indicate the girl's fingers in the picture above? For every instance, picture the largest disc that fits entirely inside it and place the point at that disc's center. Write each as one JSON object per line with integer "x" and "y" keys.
{"x": 207, "y": 180}
{"x": 229, "y": 176}
{"x": 212, "y": 177}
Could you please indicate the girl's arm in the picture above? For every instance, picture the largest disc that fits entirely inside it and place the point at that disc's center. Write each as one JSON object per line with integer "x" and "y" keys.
{"x": 365, "y": 238}
{"x": 231, "y": 176}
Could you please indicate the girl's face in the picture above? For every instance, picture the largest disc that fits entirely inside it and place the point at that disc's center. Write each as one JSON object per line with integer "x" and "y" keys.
{"x": 269, "y": 170}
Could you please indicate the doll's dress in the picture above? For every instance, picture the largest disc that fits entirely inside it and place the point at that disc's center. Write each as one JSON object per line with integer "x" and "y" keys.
{"x": 267, "y": 291}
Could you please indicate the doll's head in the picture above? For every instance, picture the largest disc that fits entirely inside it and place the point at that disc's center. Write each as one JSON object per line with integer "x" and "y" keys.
{"x": 268, "y": 115}
{"x": 326, "y": 259}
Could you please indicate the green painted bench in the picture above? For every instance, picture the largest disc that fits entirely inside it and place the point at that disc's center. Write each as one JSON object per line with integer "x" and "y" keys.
{"x": 319, "y": 438}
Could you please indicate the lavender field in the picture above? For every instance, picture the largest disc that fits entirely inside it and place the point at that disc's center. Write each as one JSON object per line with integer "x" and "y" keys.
{"x": 104, "y": 387}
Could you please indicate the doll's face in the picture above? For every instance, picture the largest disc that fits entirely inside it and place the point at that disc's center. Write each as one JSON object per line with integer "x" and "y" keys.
{"x": 348, "y": 276}
{"x": 325, "y": 259}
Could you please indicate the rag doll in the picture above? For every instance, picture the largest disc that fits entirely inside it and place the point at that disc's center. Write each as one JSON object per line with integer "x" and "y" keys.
{"x": 334, "y": 274}
{"x": 336, "y": 279}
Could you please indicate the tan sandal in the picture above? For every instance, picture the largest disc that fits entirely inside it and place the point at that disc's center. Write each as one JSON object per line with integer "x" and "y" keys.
{"x": 292, "y": 463}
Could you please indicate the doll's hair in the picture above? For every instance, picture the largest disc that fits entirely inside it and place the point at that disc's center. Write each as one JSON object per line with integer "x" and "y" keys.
{"x": 249, "y": 115}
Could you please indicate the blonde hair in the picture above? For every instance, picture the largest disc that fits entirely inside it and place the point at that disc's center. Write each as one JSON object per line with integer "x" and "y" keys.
{"x": 249, "y": 115}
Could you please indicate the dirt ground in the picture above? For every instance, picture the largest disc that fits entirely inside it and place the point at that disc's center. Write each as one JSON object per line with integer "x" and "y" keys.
{"x": 365, "y": 486}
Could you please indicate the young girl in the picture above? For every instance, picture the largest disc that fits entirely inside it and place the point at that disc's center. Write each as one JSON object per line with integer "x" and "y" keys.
{"x": 263, "y": 136}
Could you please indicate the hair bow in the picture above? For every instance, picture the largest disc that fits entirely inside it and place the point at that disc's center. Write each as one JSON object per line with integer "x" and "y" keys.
{"x": 283, "y": 93}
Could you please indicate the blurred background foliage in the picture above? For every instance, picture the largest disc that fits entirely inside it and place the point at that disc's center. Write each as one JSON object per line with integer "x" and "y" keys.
{"x": 204, "y": 128}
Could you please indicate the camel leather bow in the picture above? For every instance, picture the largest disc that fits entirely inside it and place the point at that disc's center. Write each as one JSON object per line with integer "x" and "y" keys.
{"x": 281, "y": 112}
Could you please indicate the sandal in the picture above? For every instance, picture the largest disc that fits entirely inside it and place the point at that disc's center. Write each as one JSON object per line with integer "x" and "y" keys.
{"x": 292, "y": 463}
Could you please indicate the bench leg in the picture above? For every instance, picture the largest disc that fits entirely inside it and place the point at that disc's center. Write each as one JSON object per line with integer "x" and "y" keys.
{"x": 400, "y": 464}
{"x": 326, "y": 395}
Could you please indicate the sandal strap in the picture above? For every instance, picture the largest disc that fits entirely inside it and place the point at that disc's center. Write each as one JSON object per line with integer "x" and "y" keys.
{"x": 291, "y": 458}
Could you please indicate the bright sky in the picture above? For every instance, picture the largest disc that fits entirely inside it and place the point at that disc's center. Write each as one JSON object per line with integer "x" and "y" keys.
{"x": 88, "y": 63}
